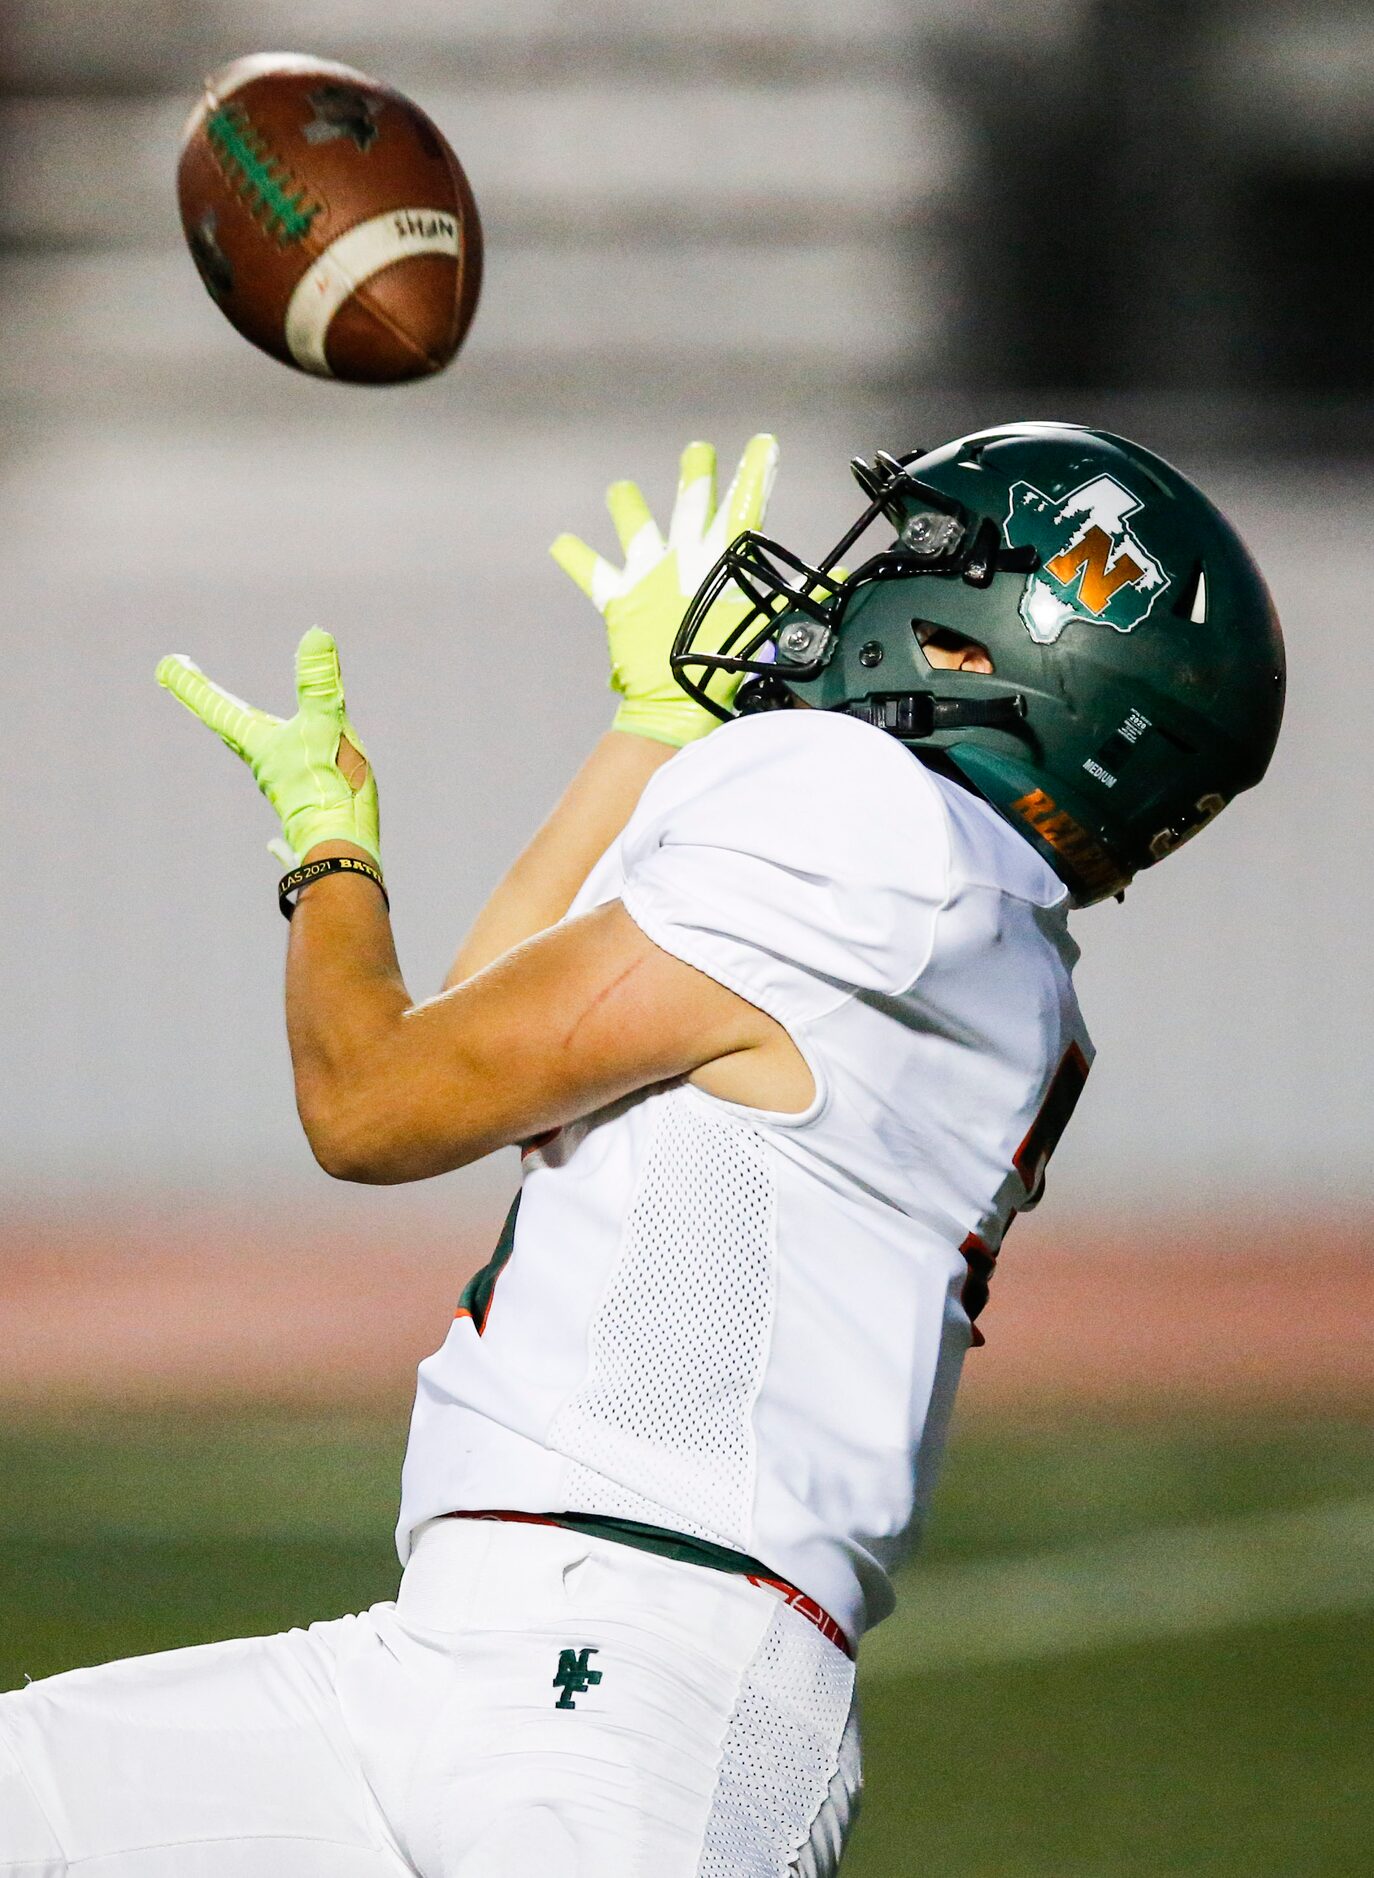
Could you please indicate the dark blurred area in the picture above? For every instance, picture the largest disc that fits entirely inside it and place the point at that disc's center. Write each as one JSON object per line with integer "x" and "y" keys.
{"x": 1178, "y": 201}
{"x": 1111, "y": 201}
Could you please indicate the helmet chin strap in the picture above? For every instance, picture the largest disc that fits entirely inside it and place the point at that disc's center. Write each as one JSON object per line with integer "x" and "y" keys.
{"x": 913, "y": 715}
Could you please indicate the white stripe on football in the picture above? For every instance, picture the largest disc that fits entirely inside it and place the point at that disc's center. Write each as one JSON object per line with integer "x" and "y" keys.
{"x": 350, "y": 261}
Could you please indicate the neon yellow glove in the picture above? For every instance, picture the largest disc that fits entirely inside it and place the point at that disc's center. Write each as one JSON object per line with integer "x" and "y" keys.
{"x": 294, "y": 760}
{"x": 643, "y": 602}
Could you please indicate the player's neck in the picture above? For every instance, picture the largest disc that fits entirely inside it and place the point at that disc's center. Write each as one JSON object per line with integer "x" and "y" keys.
{"x": 941, "y": 764}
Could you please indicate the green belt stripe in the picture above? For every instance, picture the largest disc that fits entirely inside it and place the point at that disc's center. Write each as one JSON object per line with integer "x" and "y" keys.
{"x": 660, "y": 1539}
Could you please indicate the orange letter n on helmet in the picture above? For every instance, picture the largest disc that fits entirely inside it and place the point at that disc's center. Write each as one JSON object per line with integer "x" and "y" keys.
{"x": 1089, "y": 556}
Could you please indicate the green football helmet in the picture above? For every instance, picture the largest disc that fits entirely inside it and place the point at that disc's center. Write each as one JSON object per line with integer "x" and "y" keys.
{"x": 1138, "y": 668}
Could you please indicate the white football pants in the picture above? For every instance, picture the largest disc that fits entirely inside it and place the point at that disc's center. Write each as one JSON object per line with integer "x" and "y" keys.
{"x": 536, "y": 1704}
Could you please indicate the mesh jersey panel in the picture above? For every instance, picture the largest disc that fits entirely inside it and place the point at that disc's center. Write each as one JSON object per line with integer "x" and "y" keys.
{"x": 779, "y": 1759}
{"x": 661, "y": 1430}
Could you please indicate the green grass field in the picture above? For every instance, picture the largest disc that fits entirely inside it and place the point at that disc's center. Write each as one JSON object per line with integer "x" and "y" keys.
{"x": 1130, "y": 1650}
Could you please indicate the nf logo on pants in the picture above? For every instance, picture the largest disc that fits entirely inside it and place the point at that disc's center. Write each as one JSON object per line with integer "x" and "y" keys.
{"x": 574, "y": 1677}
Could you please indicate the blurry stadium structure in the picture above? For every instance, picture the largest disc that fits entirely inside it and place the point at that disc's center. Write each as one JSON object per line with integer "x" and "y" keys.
{"x": 1065, "y": 196}
{"x": 861, "y": 226}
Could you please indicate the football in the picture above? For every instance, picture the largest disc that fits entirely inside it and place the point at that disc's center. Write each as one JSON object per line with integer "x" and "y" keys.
{"x": 330, "y": 221}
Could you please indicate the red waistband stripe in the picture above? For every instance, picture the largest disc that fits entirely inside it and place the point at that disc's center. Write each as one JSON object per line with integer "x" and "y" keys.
{"x": 809, "y": 1609}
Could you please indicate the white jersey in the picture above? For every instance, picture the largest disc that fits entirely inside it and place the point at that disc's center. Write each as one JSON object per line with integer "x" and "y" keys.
{"x": 744, "y": 1326}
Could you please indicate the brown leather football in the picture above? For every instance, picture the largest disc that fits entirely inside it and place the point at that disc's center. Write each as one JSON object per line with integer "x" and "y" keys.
{"x": 331, "y": 222}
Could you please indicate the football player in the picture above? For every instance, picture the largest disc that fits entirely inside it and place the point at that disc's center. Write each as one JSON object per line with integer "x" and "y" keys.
{"x": 779, "y": 1005}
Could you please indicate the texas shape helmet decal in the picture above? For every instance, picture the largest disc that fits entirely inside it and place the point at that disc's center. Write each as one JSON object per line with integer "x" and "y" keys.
{"x": 1091, "y": 564}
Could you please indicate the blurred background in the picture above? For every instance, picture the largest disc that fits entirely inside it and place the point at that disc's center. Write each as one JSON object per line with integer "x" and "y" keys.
{"x": 863, "y": 227}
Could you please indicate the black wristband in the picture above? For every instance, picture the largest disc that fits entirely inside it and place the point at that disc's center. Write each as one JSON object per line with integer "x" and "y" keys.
{"x": 316, "y": 870}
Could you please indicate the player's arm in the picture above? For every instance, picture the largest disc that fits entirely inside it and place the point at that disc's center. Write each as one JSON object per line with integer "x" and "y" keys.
{"x": 577, "y": 1017}
{"x": 393, "y": 1091}
{"x": 642, "y": 604}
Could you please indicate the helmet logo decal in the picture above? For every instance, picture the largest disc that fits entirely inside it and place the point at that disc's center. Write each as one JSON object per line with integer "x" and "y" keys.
{"x": 1091, "y": 564}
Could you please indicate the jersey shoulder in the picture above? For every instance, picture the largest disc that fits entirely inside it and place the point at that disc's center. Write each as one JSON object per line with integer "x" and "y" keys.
{"x": 832, "y": 795}
{"x": 812, "y": 791}
{"x": 798, "y": 844}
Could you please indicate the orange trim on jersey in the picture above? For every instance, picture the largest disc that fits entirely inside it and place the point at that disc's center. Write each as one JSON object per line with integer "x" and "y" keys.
{"x": 974, "y": 1248}
{"x": 1056, "y": 1108}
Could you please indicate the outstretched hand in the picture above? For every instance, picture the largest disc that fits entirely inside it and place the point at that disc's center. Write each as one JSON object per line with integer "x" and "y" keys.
{"x": 312, "y": 767}
{"x": 643, "y": 602}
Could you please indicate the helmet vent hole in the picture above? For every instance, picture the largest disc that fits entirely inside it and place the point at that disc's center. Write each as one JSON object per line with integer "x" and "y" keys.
{"x": 1192, "y": 600}
{"x": 1198, "y": 613}
{"x": 945, "y": 650}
